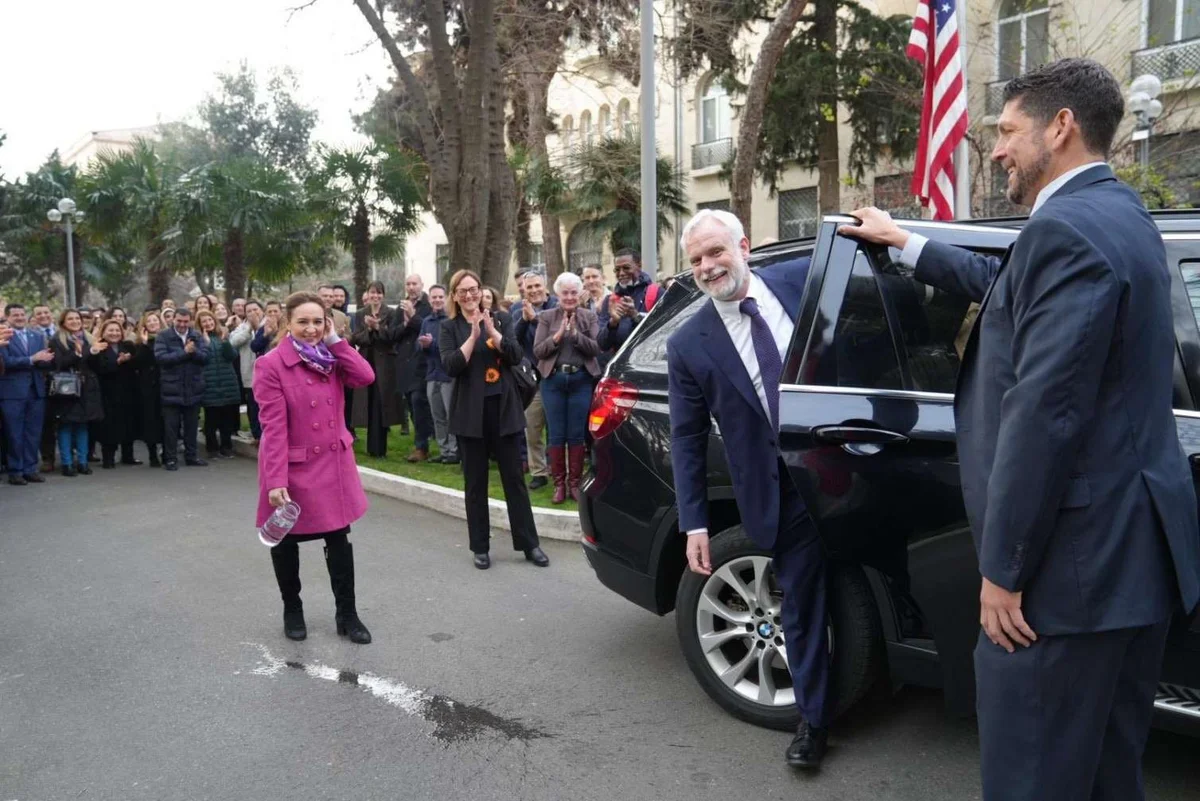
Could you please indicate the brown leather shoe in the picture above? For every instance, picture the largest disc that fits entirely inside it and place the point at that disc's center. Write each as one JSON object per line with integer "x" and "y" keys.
{"x": 417, "y": 455}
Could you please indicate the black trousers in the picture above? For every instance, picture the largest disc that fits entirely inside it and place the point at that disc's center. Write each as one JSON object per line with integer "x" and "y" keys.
{"x": 1067, "y": 718}
{"x": 251, "y": 413}
{"x": 173, "y": 418}
{"x": 219, "y": 424}
{"x": 474, "y": 453}
{"x": 422, "y": 417}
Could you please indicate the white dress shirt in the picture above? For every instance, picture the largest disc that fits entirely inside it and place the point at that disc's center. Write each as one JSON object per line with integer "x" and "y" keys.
{"x": 916, "y": 242}
{"x": 738, "y": 326}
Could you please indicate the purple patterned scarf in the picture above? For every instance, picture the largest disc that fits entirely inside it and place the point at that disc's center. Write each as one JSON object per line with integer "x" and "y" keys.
{"x": 316, "y": 357}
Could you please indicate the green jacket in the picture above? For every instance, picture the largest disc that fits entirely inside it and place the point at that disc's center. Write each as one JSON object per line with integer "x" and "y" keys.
{"x": 220, "y": 376}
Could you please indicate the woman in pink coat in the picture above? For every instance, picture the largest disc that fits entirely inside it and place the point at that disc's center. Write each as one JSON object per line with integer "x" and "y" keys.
{"x": 305, "y": 455}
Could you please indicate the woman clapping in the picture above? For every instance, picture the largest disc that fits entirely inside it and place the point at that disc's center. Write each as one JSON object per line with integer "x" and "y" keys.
{"x": 222, "y": 395}
{"x": 72, "y": 353}
{"x": 118, "y": 390}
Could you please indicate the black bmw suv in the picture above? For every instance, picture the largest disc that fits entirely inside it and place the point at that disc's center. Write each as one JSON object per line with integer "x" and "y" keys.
{"x": 867, "y": 431}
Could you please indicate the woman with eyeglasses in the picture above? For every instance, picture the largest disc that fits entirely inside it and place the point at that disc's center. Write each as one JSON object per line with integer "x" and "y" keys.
{"x": 479, "y": 350}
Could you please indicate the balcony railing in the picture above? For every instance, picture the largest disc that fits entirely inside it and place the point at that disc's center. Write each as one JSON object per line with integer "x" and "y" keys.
{"x": 1177, "y": 60}
{"x": 994, "y": 103}
{"x": 711, "y": 154}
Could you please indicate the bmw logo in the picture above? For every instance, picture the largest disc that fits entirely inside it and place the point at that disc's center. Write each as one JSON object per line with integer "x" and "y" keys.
{"x": 765, "y": 630}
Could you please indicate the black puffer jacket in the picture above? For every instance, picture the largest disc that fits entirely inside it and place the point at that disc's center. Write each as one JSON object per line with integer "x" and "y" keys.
{"x": 88, "y": 407}
{"x": 181, "y": 374}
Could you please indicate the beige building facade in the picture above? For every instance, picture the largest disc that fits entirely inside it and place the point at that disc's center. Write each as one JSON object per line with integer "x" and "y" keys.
{"x": 118, "y": 140}
{"x": 696, "y": 123}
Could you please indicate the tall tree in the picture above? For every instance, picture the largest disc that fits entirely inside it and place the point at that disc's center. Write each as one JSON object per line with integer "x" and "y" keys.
{"x": 373, "y": 198}
{"x": 453, "y": 95}
{"x": 817, "y": 56}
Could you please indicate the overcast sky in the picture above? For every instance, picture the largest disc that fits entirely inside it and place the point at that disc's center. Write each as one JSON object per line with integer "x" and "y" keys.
{"x": 72, "y": 66}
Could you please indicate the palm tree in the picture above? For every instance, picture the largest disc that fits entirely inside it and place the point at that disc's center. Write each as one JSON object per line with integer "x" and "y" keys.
{"x": 128, "y": 197}
{"x": 605, "y": 190}
{"x": 372, "y": 197}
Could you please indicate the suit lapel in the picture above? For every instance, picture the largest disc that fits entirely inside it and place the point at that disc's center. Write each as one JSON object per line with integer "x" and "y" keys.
{"x": 719, "y": 348}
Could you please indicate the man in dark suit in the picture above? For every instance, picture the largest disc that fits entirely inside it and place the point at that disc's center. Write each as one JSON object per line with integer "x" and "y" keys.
{"x": 23, "y": 394}
{"x": 1078, "y": 493}
{"x": 410, "y": 364}
{"x": 726, "y": 363}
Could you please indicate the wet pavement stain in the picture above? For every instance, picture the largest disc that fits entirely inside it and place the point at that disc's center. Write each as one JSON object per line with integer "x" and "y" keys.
{"x": 441, "y": 636}
{"x": 457, "y": 722}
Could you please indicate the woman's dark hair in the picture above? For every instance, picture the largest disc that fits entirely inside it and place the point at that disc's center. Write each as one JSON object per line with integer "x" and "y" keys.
{"x": 377, "y": 286}
{"x": 1084, "y": 86}
{"x": 293, "y": 302}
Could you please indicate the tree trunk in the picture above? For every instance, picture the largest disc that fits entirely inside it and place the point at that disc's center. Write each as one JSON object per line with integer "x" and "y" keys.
{"x": 203, "y": 279}
{"x": 829, "y": 171}
{"x": 537, "y": 94}
{"x": 158, "y": 275}
{"x": 524, "y": 245}
{"x": 741, "y": 184}
{"x": 360, "y": 250}
{"x": 502, "y": 198}
{"x": 235, "y": 264}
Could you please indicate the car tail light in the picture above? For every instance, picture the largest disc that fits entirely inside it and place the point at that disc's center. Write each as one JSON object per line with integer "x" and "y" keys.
{"x": 612, "y": 403}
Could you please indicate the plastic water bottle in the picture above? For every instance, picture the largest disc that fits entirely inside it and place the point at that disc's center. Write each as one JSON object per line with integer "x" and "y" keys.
{"x": 272, "y": 532}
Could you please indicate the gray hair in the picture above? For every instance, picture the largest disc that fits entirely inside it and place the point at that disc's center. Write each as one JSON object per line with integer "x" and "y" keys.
{"x": 568, "y": 279}
{"x": 727, "y": 219}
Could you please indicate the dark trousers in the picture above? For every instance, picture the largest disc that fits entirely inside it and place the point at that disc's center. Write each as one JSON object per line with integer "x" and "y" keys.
{"x": 339, "y": 559}
{"x": 251, "y": 412}
{"x": 23, "y": 425}
{"x": 349, "y": 396}
{"x": 422, "y": 417}
{"x": 474, "y": 453}
{"x": 108, "y": 452}
{"x": 1067, "y": 718}
{"x": 173, "y": 418}
{"x": 49, "y": 439}
{"x": 219, "y": 424}
{"x": 799, "y": 564}
{"x": 567, "y": 400}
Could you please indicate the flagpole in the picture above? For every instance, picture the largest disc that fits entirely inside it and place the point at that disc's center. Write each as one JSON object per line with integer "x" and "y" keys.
{"x": 962, "y": 153}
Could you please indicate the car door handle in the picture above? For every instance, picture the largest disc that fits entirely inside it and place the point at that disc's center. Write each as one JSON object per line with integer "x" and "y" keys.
{"x": 857, "y": 440}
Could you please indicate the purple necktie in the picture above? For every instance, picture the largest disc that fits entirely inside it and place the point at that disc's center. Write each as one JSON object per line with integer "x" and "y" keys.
{"x": 770, "y": 365}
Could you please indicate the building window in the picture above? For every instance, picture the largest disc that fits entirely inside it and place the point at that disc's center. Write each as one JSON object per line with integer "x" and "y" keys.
{"x": 624, "y": 120}
{"x": 605, "y": 122}
{"x": 1023, "y": 37}
{"x": 714, "y": 113}
{"x": 443, "y": 262}
{"x": 893, "y": 194}
{"x": 1170, "y": 21}
{"x": 584, "y": 246}
{"x": 536, "y": 260}
{"x": 799, "y": 214}
{"x": 586, "y": 134}
{"x": 715, "y": 205}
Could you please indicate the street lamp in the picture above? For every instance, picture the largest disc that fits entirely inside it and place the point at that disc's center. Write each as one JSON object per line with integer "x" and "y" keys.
{"x": 66, "y": 211}
{"x": 1146, "y": 108}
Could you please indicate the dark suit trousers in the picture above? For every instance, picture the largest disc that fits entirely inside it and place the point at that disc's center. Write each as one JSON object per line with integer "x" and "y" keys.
{"x": 23, "y": 425}
{"x": 1067, "y": 718}
{"x": 800, "y": 570}
{"x": 474, "y": 453}
{"x": 173, "y": 417}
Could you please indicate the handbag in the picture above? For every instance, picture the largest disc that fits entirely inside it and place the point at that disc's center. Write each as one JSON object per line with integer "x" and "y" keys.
{"x": 527, "y": 380}
{"x": 65, "y": 384}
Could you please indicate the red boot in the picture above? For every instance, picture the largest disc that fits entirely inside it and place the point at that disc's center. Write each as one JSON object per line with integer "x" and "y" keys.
{"x": 558, "y": 472}
{"x": 575, "y": 454}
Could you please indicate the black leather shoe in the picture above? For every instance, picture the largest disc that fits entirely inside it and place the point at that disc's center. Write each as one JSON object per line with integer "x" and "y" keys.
{"x": 108, "y": 466}
{"x": 172, "y": 466}
{"x": 134, "y": 462}
{"x": 83, "y": 470}
{"x": 538, "y": 557}
{"x": 451, "y": 460}
{"x": 538, "y": 482}
{"x": 293, "y": 625}
{"x": 34, "y": 478}
{"x": 69, "y": 471}
{"x": 808, "y": 747}
{"x": 195, "y": 462}
{"x": 17, "y": 481}
{"x": 350, "y": 626}
{"x": 483, "y": 561}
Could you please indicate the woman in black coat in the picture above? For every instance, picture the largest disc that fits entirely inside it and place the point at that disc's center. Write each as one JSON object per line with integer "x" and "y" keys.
{"x": 376, "y": 406}
{"x": 479, "y": 349}
{"x": 72, "y": 353}
{"x": 150, "y": 427}
{"x": 118, "y": 388}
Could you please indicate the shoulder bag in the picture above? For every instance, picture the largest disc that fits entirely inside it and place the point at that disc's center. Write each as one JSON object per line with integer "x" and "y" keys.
{"x": 65, "y": 384}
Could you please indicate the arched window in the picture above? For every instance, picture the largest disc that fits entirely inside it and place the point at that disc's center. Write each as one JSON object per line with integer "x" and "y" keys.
{"x": 584, "y": 246}
{"x": 714, "y": 113}
{"x": 1022, "y": 37}
{"x": 605, "y": 122}
{"x": 624, "y": 122}
{"x": 586, "y": 134}
{"x": 568, "y": 134}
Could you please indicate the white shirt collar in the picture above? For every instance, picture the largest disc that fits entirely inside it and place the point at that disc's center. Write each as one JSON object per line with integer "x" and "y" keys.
{"x": 731, "y": 309}
{"x": 1058, "y": 183}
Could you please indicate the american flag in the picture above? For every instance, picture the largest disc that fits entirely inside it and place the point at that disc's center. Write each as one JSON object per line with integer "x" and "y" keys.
{"x": 935, "y": 43}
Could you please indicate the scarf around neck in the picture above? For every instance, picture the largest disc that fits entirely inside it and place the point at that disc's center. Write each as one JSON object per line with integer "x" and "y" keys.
{"x": 316, "y": 357}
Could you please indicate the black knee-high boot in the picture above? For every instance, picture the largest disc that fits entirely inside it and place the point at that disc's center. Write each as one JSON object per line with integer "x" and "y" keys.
{"x": 285, "y": 557}
{"x": 339, "y": 558}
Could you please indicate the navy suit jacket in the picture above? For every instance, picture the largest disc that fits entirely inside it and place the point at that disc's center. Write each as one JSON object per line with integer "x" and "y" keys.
{"x": 707, "y": 380}
{"x": 1076, "y": 487}
{"x": 23, "y": 378}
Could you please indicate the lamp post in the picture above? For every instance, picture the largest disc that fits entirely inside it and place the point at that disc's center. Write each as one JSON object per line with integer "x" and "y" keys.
{"x": 1146, "y": 108}
{"x": 67, "y": 212}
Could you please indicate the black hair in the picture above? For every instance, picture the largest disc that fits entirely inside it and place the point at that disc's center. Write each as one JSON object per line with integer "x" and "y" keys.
{"x": 254, "y": 301}
{"x": 637, "y": 257}
{"x": 9, "y": 308}
{"x": 1084, "y": 86}
{"x": 378, "y": 287}
{"x": 184, "y": 310}
{"x": 343, "y": 289}
{"x": 436, "y": 286}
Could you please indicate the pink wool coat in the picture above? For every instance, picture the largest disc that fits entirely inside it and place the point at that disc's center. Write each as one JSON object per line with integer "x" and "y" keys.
{"x": 305, "y": 446}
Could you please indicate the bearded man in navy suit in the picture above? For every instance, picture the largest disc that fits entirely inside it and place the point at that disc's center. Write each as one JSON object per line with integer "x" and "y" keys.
{"x": 26, "y": 357}
{"x": 726, "y": 363}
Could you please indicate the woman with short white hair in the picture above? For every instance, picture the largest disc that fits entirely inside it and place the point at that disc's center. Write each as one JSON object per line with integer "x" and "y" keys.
{"x": 565, "y": 347}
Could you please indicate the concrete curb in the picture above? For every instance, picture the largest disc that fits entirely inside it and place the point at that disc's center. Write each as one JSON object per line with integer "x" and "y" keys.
{"x": 552, "y": 524}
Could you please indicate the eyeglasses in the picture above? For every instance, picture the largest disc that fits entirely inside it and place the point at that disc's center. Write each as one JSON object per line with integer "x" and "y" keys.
{"x": 466, "y": 292}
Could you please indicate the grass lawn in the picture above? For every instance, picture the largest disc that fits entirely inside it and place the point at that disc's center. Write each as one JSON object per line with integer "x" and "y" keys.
{"x": 444, "y": 475}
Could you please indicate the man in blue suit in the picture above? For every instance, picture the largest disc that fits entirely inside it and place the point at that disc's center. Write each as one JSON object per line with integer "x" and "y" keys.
{"x": 1079, "y": 495}
{"x": 23, "y": 395}
{"x": 726, "y": 363}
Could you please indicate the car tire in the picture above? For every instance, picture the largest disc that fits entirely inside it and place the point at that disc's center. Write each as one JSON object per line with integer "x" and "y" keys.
{"x": 858, "y": 648}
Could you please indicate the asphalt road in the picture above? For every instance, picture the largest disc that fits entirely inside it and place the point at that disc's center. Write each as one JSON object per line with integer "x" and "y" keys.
{"x": 142, "y": 657}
